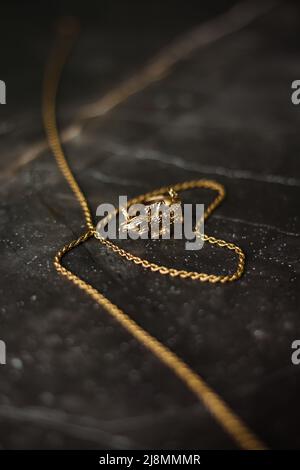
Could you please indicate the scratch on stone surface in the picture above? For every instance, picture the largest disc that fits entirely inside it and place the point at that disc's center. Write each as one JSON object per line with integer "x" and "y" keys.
{"x": 179, "y": 162}
{"x": 87, "y": 428}
{"x": 84, "y": 428}
{"x": 218, "y": 170}
{"x": 135, "y": 422}
{"x": 107, "y": 179}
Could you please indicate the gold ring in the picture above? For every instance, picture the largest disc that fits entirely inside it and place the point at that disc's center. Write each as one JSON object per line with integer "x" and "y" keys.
{"x": 154, "y": 206}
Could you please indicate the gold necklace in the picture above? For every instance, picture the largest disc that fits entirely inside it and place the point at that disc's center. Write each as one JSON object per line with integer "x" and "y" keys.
{"x": 225, "y": 416}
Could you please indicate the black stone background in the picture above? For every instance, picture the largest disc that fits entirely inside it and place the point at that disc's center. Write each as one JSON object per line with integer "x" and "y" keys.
{"x": 74, "y": 378}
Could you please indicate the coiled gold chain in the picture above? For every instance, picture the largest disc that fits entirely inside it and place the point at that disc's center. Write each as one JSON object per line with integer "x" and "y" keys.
{"x": 226, "y": 417}
{"x": 194, "y": 275}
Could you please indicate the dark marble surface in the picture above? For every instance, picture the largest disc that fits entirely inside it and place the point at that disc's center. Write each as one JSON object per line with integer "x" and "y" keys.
{"x": 74, "y": 378}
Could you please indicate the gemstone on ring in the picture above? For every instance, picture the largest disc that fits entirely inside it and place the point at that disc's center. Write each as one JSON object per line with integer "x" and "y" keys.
{"x": 161, "y": 211}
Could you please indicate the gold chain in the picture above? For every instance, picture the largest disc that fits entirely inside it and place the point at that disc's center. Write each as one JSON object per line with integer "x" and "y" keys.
{"x": 194, "y": 275}
{"x": 226, "y": 417}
